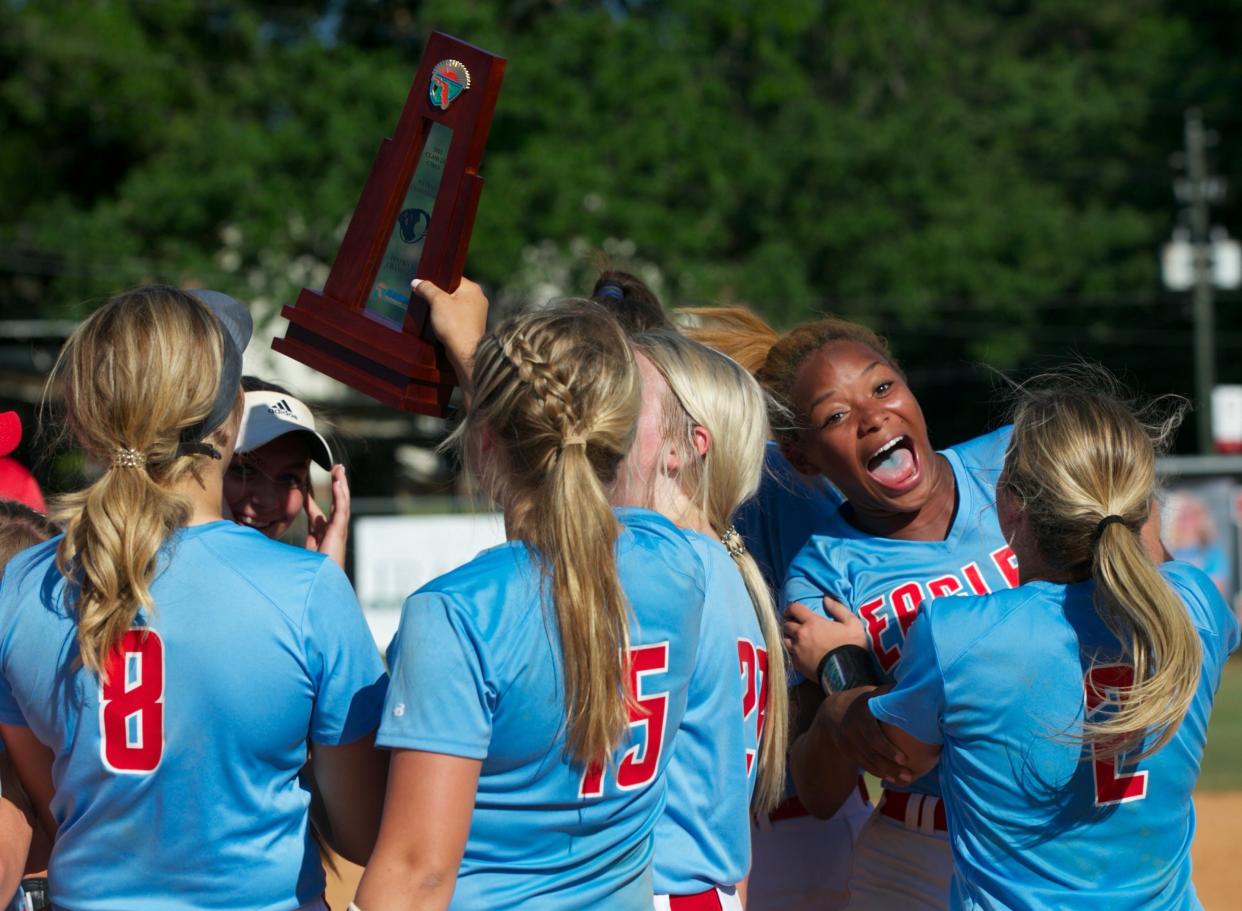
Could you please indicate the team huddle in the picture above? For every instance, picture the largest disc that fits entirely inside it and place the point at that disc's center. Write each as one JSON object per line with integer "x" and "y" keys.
{"x": 736, "y": 576}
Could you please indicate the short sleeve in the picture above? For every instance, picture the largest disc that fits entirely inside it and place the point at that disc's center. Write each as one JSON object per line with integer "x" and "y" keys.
{"x": 916, "y": 703}
{"x": 441, "y": 699}
{"x": 808, "y": 579}
{"x": 343, "y": 661}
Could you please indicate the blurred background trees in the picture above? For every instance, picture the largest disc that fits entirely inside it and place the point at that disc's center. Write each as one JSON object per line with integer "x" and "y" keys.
{"x": 983, "y": 182}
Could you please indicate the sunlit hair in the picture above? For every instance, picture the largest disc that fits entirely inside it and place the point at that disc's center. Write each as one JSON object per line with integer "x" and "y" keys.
{"x": 556, "y": 397}
{"x": 771, "y": 357}
{"x": 132, "y": 376}
{"x": 737, "y": 332}
{"x": 21, "y": 527}
{"x": 1080, "y": 452}
{"x": 707, "y": 389}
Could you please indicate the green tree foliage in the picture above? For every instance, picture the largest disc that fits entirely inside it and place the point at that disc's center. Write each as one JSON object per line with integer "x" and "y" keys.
{"x": 981, "y": 181}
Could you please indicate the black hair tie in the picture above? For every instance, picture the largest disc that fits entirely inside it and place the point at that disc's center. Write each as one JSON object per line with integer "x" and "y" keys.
{"x": 1107, "y": 521}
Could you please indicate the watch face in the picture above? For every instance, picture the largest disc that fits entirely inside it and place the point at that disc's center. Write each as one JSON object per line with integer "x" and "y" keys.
{"x": 836, "y": 674}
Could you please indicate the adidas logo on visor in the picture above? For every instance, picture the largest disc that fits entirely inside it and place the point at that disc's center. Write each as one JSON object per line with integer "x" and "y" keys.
{"x": 282, "y": 410}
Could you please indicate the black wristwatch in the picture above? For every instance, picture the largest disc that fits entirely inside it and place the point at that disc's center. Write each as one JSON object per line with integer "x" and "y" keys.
{"x": 846, "y": 667}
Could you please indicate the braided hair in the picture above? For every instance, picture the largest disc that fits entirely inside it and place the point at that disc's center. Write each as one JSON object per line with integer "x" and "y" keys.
{"x": 557, "y": 395}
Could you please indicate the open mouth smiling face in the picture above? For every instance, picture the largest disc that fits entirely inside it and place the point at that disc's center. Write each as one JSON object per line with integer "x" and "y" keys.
{"x": 866, "y": 432}
{"x": 266, "y": 488}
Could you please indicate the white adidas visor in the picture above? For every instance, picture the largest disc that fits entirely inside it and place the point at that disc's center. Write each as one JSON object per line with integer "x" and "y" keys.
{"x": 270, "y": 415}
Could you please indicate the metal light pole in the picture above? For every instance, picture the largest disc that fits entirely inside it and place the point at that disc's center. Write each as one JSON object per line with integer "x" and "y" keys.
{"x": 1204, "y": 314}
{"x": 1201, "y": 258}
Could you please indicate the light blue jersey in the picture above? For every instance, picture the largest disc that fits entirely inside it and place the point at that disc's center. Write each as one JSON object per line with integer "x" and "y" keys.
{"x": 477, "y": 672}
{"x": 781, "y": 517}
{"x": 703, "y": 837}
{"x": 177, "y": 781}
{"x": 885, "y": 580}
{"x": 1035, "y": 821}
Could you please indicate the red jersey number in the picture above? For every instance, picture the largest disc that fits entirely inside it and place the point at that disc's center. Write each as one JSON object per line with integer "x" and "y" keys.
{"x": 753, "y": 662}
{"x": 1111, "y": 786}
{"x": 131, "y": 705}
{"x": 649, "y": 712}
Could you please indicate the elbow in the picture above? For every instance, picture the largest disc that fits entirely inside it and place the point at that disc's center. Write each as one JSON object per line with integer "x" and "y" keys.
{"x": 422, "y": 882}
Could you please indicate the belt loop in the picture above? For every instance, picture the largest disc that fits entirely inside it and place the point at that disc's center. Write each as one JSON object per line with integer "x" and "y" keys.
{"x": 914, "y": 810}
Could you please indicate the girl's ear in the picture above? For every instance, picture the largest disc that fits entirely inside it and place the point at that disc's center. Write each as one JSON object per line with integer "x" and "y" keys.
{"x": 701, "y": 437}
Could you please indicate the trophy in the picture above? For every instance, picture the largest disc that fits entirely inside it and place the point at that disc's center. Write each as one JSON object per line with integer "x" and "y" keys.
{"x": 413, "y": 219}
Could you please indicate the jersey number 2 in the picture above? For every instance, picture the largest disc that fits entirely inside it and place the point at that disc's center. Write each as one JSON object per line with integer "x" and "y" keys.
{"x": 1110, "y": 785}
{"x": 131, "y": 704}
{"x": 649, "y": 711}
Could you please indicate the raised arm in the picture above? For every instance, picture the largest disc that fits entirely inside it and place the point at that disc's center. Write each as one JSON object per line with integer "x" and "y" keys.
{"x": 459, "y": 320}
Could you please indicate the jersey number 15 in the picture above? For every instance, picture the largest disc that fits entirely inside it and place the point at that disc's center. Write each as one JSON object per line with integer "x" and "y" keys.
{"x": 648, "y": 711}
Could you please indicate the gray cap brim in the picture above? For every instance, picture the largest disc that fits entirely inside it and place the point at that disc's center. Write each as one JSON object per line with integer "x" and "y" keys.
{"x": 237, "y": 327}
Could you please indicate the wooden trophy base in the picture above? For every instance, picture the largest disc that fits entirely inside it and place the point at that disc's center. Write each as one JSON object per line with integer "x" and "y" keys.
{"x": 399, "y": 369}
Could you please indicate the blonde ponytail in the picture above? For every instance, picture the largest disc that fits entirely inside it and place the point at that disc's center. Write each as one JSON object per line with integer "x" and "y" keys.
{"x": 1082, "y": 467}
{"x": 710, "y": 390}
{"x": 557, "y": 393}
{"x": 136, "y": 373}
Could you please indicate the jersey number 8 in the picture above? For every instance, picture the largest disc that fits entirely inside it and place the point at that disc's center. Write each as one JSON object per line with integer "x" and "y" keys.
{"x": 131, "y": 704}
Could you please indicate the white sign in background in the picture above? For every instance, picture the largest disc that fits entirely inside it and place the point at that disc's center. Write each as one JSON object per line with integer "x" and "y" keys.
{"x": 394, "y": 556}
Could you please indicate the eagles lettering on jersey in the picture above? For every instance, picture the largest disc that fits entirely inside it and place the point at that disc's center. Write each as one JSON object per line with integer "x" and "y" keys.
{"x": 885, "y": 580}
{"x": 887, "y": 618}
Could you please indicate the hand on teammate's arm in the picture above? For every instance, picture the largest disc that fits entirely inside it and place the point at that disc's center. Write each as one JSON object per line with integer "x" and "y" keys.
{"x": 852, "y": 732}
{"x": 809, "y": 636}
{"x": 423, "y": 835}
{"x": 329, "y": 534}
{"x": 350, "y": 781}
{"x": 459, "y": 321}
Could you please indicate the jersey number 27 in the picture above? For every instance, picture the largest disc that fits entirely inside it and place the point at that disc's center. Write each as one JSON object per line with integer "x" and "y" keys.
{"x": 131, "y": 704}
{"x": 753, "y": 662}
